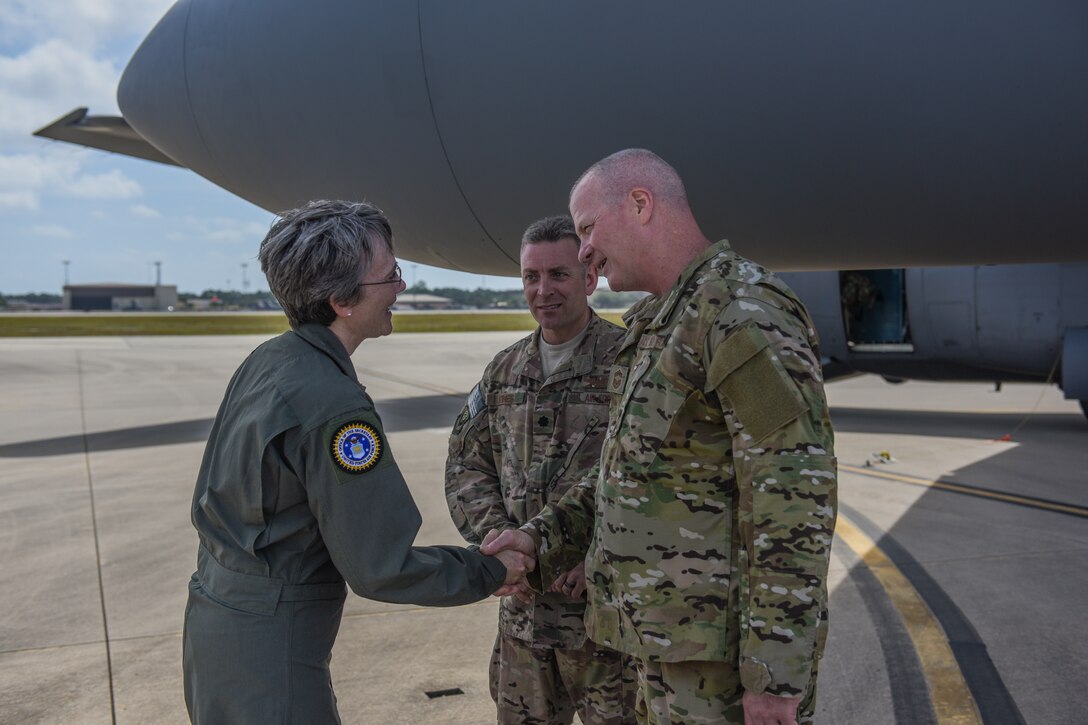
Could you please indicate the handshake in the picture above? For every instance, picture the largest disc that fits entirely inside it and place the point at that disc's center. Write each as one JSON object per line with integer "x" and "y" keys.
{"x": 517, "y": 551}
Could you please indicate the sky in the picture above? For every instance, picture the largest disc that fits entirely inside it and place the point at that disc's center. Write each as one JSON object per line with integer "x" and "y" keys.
{"x": 112, "y": 217}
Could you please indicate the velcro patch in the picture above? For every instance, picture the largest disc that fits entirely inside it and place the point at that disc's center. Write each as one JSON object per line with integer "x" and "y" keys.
{"x": 357, "y": 447}
{"x": 652, "y": 342}
{"x": 617, "y": 378}
{"x": 475, "y": 402}
{"x": 757, "y": 387}
{"x": 516, "y": 397}
{"x": 543, "y": 421}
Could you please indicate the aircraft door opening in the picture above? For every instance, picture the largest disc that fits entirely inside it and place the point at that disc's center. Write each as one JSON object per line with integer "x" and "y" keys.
{"x": 874, "y": 310}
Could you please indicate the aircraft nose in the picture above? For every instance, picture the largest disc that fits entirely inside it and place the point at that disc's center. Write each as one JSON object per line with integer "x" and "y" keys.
{"x": 281, "y": 102}
{"x": 152, "y": 93}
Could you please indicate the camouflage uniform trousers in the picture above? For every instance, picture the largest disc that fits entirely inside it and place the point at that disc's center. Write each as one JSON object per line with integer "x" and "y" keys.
{"x": 543, "y": 685}
{"x": 699, "y": 693}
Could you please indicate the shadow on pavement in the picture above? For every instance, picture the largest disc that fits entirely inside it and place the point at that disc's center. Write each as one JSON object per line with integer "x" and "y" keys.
{"x": 401, "y": 414}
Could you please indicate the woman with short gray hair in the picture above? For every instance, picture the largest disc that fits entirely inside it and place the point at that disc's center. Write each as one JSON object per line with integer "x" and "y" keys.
{"x": 299, "y": 492}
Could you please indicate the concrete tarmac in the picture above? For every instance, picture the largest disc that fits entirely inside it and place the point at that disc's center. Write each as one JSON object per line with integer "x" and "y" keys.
{"x": 101, "y": 438}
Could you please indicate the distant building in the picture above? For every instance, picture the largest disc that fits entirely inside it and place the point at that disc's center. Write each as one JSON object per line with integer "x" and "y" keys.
{"x": 202, "y": 304}
{"x": 120, "y": 297}
{"x": 17, "y": 304}
{"x": 415, "y": 301}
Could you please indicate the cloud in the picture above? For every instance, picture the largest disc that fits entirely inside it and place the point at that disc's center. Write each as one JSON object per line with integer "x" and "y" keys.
{"x": 48, "y": 81}
{"x": 54, "y": 57}
{"x": 55, "y": 231}
{"x": 92, "y": 24}
{"x": 144, "y": 211}
{"x": 19, "y": 200}
{"x": 24, "y": 178}
{"x": 239, "y": 232}
{"x": 110, "y": 185}
{"x": 227, "y": 230}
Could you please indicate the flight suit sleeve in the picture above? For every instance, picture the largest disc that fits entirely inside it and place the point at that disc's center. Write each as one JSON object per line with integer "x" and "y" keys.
{"x": 768, "y": 380}
{"x": 473, "y": 487}
{"x": 369, "y": 521}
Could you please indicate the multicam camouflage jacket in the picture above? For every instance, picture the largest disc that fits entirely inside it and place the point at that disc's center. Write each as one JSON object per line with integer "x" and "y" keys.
{"x": 520, "y": 443}
{"x": 709, "y": 530}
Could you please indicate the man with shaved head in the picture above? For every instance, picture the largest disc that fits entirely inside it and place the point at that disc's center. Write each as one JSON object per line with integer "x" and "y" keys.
{"x": 707, "y": 528}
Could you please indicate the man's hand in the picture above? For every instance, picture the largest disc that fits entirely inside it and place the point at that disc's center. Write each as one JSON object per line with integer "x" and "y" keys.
{"x": 764, "y": 709}
{"x": 508, "y": 539}
{"x": 573, "y": 583}
{"x": 512, "y": 543}
{"x": 517, "y": 565}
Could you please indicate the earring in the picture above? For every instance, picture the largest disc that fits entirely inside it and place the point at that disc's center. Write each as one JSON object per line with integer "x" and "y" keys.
{"x": 349, "y": 313}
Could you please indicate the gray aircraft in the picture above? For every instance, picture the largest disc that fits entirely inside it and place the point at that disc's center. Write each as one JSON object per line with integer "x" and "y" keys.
{"x": 841, "y": 135}
{"x": 1024, "y": 322}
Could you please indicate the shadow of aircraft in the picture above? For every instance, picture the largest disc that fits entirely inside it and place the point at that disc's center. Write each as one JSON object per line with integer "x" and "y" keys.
{"x": 1052, "y": 437}
{"x": 399, "y": 414}
{"x": 1048, "y": 462}
{"x": 960, "y": 425}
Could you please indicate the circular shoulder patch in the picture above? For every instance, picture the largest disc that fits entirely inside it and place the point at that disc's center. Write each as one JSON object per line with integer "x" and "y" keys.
{"x": 357, "y": 447}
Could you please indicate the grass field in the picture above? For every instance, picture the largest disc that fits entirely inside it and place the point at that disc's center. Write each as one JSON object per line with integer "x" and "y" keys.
{"x": 215, "y": 323}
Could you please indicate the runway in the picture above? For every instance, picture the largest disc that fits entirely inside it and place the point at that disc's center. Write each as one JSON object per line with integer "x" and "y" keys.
{"x": 957, "y": 575}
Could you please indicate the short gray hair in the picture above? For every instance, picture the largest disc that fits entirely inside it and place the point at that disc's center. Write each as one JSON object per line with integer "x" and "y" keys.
{"x": 630, "y": 168}
{"x": 550, "y": 229}
{"x": 321, "y": 251}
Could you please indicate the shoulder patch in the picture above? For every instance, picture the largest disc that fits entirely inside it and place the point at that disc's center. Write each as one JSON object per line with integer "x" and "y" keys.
{"x": 357, "y": 447}
{"x": 475, "y": 402}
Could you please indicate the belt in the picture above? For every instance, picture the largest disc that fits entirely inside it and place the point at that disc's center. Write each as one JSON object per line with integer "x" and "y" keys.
{"x": 253, "y": 593}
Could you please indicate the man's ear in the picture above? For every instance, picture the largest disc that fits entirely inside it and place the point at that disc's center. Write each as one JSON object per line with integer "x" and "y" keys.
{"x": 643, "y": 202}
{"x": 591, "y": 279}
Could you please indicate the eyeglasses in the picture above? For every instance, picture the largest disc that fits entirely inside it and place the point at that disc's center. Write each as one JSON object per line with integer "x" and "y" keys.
{"x": 395, "y": 278}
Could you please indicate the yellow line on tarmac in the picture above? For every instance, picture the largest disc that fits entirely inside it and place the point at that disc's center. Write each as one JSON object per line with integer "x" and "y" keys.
{"x": 952, "y": 700}
{"x": 970, "y": 490}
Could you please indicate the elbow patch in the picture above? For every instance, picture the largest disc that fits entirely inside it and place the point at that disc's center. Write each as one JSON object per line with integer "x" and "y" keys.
{"x": 751, "y": 380}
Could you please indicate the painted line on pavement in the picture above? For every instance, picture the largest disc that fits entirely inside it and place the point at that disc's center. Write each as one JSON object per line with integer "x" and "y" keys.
{"x": 953, "y": 703}
{"x": 1031, "y": 501}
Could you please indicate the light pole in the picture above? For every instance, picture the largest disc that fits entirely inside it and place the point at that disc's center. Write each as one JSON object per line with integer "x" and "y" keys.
{"x": 66, "y": 263}
{"x": 158, "y": 274}
{"x": 245, "y": 282}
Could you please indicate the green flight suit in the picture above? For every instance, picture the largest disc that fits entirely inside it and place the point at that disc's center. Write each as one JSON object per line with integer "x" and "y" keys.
{"x": 298, "y": 492}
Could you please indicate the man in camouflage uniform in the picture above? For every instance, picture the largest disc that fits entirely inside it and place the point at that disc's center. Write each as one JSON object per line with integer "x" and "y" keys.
{"x": 530, "y": 429}
{"x": 709, "y": 529}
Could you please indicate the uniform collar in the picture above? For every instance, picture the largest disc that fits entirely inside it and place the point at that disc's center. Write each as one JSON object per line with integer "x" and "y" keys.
{"x": 581, "y": 358}
{"x": 711, "y": 256}
{"x": 322, "y": 338}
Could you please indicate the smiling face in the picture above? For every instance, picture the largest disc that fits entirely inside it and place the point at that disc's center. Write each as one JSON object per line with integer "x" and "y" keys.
{"x": 371, "y": 315}
{"x": 606, "y": 245}
{"x": 557, "y": 286}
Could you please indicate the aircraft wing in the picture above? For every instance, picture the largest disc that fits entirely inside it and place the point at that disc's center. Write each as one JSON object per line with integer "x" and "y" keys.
{"x": 109, "y": 133}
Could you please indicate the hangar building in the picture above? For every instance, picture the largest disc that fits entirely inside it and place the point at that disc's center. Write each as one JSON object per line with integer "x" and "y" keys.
{"x": 120, "y": 297}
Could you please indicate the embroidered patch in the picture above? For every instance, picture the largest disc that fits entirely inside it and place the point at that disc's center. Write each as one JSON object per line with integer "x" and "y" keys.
{"x": 617, "y": 379}
{"x": 475, "y": 402}
{"x": 544, "y": 421}
{"x": 357, "y": 447}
